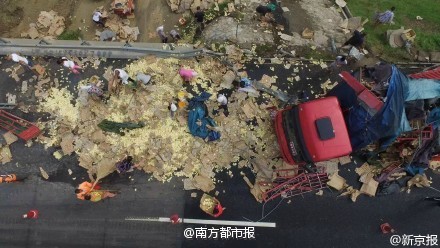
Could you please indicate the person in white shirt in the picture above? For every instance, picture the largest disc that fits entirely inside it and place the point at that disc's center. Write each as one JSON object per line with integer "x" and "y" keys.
{"x": 143, "y": 78}
{"x": 223, "y": 104}
{"x": 69, "y": 64}
{"x": 123, "y": 76}
{"x": 97, "y": 18}
{"x": 173, "y": 109}
{"x": 17, "y": 58}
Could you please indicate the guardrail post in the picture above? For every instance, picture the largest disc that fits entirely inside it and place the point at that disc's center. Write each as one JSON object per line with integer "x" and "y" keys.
{"x": 43, "y": 42}
{"x": 85, "y": 43}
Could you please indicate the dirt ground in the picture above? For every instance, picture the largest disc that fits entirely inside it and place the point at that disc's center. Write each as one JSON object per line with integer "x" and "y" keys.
{"x": 18, "y": 14}
{"x": 149, "y": 14}
{"x": 297, "y": 16}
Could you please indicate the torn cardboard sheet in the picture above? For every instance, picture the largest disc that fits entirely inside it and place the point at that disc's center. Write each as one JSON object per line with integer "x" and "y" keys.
{"x": 44, "y": 173}
{"x": 353, "y": 193}
{"x": 420, "y": 181}
{"x": 345, "y": 160}
{"x": 10, "y": 137}
{"x": 369, "y": 187}
{"x": 337, "y": 182}
{"x": 5, "y": 154}
{"x": 203, "y": 183}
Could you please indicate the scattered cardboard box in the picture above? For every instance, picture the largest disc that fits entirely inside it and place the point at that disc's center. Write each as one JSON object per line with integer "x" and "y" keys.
{"x": 337, "y": 182}
{"x": 10, "y": 137}
{"x": 369, "y": 187}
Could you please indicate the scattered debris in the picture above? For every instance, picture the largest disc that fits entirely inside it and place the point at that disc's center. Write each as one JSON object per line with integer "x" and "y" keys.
{"x": 49, "y": 26}
{"x": 369, "y": 187}
{"x": 345, "y": 160}
{"x": 353, "y": 193}
{"x": 5, "y": 154}
{"x": 307, "y": 33}
{"x": 44, "y": 173}
{"x": 337, "y": 182}
{"x": 9, "y": 137}
{"x": 419, "y": 180}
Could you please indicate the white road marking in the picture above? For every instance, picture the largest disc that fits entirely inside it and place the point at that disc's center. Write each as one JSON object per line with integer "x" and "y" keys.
{"x": 207, "y": 222}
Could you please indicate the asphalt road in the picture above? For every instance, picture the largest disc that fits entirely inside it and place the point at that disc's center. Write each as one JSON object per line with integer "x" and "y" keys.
{"x": 307, "y": 221}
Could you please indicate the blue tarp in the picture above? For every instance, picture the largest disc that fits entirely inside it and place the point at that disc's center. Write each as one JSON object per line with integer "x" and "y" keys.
{"x": 198, "y": 118}
{"x": 387, "y": 124}
{"x": 434, "y": 118}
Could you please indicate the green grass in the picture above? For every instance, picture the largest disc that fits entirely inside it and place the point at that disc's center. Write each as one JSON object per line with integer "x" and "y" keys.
{"x": 427, "y": 30}
{"x": 70, "y": 35}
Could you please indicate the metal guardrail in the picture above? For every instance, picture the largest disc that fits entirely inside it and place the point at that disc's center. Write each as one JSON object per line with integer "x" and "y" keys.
{"x": 119, "y": 50}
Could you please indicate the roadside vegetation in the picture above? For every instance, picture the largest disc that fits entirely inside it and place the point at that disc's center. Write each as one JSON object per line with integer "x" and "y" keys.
{"x": 70, "y": 35}
{"x": 427, "y": 30}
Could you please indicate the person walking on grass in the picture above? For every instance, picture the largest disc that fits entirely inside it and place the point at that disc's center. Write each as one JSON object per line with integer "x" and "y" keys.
{"x": 69, "y": 64}
{"x": 385, "y": 17}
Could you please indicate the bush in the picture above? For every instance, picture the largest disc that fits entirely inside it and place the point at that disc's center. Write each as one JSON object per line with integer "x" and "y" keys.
{"x": 70, "y": 35}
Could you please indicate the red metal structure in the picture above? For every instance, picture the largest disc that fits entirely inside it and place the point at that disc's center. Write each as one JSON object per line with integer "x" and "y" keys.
{"x": 300, "y": 184}
{"x": 21, "y": 128}
{"x": 429, "y": 74}
{"x": 365, "y": 97}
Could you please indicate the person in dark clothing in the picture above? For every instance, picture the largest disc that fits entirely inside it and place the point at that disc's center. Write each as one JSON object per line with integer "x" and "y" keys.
{"x": 126, "y": 165}
{"x": 357, "y": 40}
{"x": 263, "y": 10}
{"x": 200, "y": 16}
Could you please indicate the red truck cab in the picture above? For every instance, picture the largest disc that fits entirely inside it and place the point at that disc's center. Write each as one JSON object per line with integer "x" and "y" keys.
{"x": 313, "y": 131}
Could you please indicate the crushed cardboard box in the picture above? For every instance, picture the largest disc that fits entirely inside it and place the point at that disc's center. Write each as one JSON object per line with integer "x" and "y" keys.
{"x": 9, "y": 137}
{"x": 48, "y": 26}
{"x": 337, "y": 182}
{"x": 5, "y": 154}
{"x": 369, "y": 187}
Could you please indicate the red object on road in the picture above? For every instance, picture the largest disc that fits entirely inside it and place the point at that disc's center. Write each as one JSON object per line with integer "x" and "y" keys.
{"x": 20, "y": 127}
{"x": 174, "y": 219}
{"x": 313, "y": 131}
{"x": 386, "y": 228}
{"x": 32, "y": 214}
